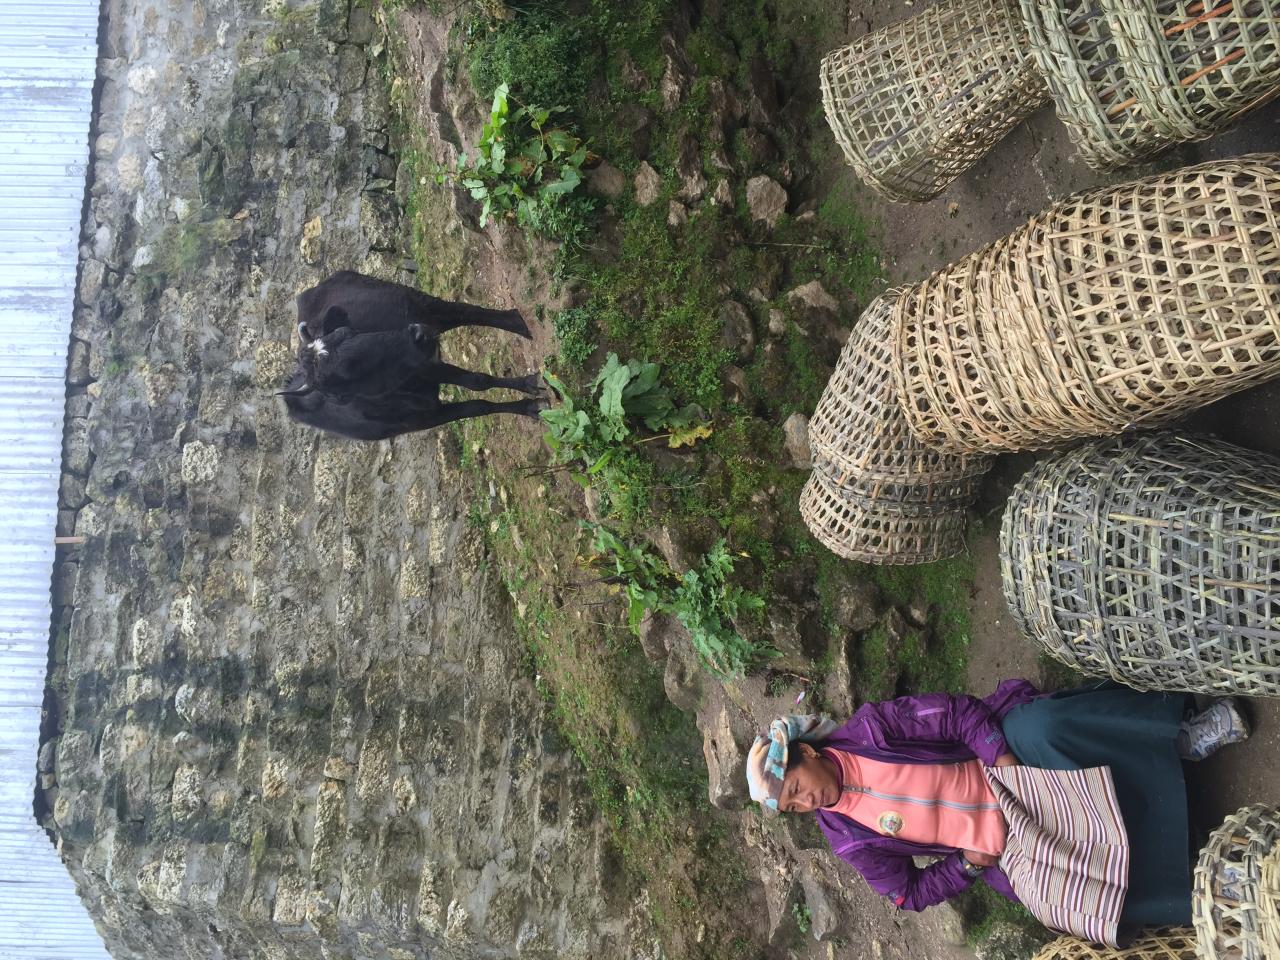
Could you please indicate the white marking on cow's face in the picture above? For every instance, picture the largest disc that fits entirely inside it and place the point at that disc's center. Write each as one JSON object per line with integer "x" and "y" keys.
{"x": 317, "y": 347}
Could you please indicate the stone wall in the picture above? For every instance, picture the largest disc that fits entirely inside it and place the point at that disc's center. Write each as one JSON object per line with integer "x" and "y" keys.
{"x": 287, "y": 715}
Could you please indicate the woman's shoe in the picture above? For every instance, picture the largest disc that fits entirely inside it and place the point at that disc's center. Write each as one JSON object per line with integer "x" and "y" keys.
{"x": 1220, "y": 724}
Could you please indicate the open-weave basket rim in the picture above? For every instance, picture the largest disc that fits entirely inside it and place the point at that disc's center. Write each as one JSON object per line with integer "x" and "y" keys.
{"x": 1169, "y": 943}
{"x": 1151, "y": 559}
{"x": 1186, "y": 97}
{"x": 859, "y": 425}
{"x": 1030, "y": 342}
{"x": 914, "y": 104}
{"x": 1073, "y": 47}
{"x": 860, "y": 531}
{"x": 1228, "y": 929}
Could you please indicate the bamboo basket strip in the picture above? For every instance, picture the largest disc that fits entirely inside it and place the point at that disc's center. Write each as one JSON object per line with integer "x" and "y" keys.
{"x": 1174, "y": 943}
{"x": 1153, "y": 559}
{"x": 1269, "y": 901}
{"x": 915, "y": 104}
{"x": 1232, "y": 907}
{"x": 1120, "y": 306}
{"x": 863, "y": 529}
{"x": 1075, "y": 51}
{"x": 859, "y": 429}
{"x": 1197, "y": 64}
{"x": 894, "y": 498}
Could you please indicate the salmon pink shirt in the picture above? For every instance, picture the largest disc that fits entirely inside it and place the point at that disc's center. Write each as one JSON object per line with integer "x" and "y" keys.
{"x": 943, "y": 804}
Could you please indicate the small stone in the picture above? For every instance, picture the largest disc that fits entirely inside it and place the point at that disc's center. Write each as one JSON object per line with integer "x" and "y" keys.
{"x": 75, "y": 446}
{"x": 726, "y": 786}
{"x": 199, "y": 463}
{"x": 655, "y": 630}
{"x": 916, "y": 613}
{"x": 777, "y": 322}
{"x": 766, "y": 199}
{"x": 735, "y": 378}
{"x": 814, "y": 296}
{"x": 722, "y": 194}
{"x": 737, "y": 331}
{"x": 677, "y": 214}
{"x": 78, "y": 364}
{"x": 675, "y": 77}
{"x": 606, "y": 180}
{"x": 682, "y": 679}
{"x": 336, "y": 768}
{"x": 648, "y": 184}
{"x": 796, "y": 444}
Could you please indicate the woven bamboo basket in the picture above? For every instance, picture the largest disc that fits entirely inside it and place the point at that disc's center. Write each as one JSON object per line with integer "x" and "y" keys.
{"x": 1153, "y": 559}
{"x": 1120, "y": 306}
{"x": 1197, "y": 64}
{"x": 1074, "y": 49}
{"x": 877, "y": 531}
{"x": 1234, "y": 894}
{"x": 915, "y": 104}
{"x": 1165, "y": 944}
{"x": 860, "y": 432}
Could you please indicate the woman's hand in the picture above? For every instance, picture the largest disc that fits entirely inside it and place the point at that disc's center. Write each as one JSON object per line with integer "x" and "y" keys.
{"x": 979, "y": 858}
{"x": 1007, "y": 760}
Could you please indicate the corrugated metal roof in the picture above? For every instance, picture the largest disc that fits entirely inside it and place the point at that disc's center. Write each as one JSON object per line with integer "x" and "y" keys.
{"x": 48, "y": 51}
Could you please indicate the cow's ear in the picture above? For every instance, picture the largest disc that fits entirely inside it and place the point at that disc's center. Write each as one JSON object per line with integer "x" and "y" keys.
{"x": 334, "y": 318}
{"x": 303, "y": 332}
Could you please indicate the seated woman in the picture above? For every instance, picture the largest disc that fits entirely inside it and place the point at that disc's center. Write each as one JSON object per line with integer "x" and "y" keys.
{"x": 1073, "y": 803}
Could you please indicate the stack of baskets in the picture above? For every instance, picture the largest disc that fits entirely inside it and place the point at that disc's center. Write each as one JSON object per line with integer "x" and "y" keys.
{"x": 1167, "y": 944}
{"x": 1120, "y": 306}
{"x": 877, "y": 494}
{"x": 1236, "y": 891}
{"x": 915, "y": 104}
{"x": 1154, "y": 560}
{"x": 1131, "y": 77}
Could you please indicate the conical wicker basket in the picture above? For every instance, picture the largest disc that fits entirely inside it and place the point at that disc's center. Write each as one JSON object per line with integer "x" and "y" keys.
{"x": 877, "y": 494}
{"x": 1129, "y": 78}
{"x": 1152, "y": 559}
{"x": 878, "y": 531}
{"x": 915, "y": 104}
{"x": 1235, "y": 896}
{"x": 1121, "y": 306}
{"x": 859, "y": 428}
{"x": 1166, "y": 944}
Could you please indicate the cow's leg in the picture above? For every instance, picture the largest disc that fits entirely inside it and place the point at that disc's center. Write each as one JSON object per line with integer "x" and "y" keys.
{"x": 442, "y": 372}
{"x": 442, "y": 315}
{"x": 463, "y": 409}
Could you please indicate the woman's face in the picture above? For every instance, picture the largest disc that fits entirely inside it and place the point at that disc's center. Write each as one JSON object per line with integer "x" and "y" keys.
{"x": 811, "y": 782}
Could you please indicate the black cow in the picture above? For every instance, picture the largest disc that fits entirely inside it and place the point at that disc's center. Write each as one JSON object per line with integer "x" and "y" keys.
{"x": 369, "y": 363}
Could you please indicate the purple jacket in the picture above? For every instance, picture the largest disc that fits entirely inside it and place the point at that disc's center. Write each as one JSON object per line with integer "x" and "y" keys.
{"x": 933, "y": 728}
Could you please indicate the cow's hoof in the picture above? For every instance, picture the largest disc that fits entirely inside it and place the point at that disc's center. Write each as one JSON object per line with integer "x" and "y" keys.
{"x": 532, "y": 384}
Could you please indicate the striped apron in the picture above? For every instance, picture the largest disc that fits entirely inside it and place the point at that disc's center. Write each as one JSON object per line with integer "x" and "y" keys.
{"x": 1066, "y": 853}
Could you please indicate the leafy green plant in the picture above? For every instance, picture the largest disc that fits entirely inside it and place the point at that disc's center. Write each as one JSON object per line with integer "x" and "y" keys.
{"x": 575, "y": 329}
{"x": 803, "y": 915}
{"x": 524, "y": 169}
{"x": 620, "y": 392}
{"x": 600, "y": 436}
{"x": 702, "y": 600}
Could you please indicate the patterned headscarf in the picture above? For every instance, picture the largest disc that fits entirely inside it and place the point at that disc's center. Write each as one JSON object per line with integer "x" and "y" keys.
{"x": 767, "y": 760}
